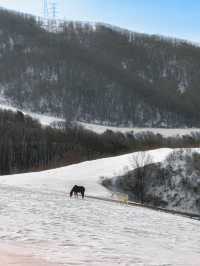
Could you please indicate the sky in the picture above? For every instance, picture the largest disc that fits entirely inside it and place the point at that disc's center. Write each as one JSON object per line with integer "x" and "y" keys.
{"x": 172, "y": 18}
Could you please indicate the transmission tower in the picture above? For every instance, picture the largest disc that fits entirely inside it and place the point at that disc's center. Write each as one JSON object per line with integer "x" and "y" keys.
{"x": 54, "y": 9}
{"x": 50, "y": 9}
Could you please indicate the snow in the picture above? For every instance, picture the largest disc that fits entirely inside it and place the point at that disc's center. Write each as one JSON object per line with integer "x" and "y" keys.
{"x": 48, "y": 120}
{"x": 12, "y": 255}
{"x": 91, "y": 232}
{"x": 37, "y": 214}
{"x": 166, "y": 132}
{"x": 45, "y": 120}
{"x": 88, "y": 173}
{"x": 182, "y": 193}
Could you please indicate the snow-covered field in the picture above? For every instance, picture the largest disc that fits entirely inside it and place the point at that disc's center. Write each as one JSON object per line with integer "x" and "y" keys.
{"x": 89, "y": 232}
{"x": 87, "y": 174}
{"x": 166, "y": 132}
{"x": 36, "y": 213}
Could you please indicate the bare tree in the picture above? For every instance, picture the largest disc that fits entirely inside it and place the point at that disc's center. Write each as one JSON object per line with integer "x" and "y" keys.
{"x": 140, "y": 162}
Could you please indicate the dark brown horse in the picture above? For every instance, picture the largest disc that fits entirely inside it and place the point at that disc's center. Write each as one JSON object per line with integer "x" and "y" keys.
{"x": 77, "y": 189}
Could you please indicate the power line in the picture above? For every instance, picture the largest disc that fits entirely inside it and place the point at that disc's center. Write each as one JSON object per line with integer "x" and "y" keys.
{"x": 45, "y": 9}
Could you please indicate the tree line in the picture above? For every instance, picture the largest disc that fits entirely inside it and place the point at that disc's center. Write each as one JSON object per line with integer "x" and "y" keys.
{"x": 26, "y": 145}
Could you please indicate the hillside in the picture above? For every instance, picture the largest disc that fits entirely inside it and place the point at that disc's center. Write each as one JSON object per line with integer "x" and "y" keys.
{"x": 99, "y": 73}
{"x": 88, "y": 173}
{"x": 172, "y": 184}
{"x": 38, "y": 216}
{"x": 26, "y": 145}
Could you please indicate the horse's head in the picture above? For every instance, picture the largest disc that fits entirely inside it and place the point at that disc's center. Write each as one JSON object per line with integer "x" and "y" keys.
{"x": 71, "y": 193}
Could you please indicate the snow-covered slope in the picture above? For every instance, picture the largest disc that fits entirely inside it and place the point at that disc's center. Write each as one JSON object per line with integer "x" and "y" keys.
{"x": 90, "y": 232}
{"x": 172, "y": 184}
{"x": 45, "y": 120}
{"x": 37, "y": 214}
{"x": 166, "y": 132}
{"x": 181, "y": 187}
{"x": 87, "y": 173}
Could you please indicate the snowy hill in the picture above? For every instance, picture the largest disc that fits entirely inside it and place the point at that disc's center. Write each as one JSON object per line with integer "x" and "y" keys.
{"x": 37, "y": 214}
{"x": 172, "y": 184}
{"x": 90, "y": 232}
{"x": 87, "y": 173}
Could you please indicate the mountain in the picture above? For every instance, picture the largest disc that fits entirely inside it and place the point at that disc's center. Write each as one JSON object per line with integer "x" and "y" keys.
{"x": 99, "y": 73}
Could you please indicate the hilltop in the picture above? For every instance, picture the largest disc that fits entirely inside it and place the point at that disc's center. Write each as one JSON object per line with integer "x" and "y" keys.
{"x": 99, "y": 73}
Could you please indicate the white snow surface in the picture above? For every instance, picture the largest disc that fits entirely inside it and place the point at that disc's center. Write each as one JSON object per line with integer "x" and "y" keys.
{"x": 166, "y": 132}
{"x": 87, "y": 173}
{"x": 37, "y": 214}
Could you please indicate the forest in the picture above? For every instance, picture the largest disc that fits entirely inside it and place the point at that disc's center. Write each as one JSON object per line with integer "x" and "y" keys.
{"x": 26, "y": 145}
{"x": 98, "y": 73}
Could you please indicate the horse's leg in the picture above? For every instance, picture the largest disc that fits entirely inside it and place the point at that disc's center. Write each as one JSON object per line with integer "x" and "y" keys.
{"x": 82, "y": 193}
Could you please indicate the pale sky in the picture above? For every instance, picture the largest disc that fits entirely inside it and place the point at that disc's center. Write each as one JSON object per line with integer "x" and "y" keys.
{"x": 175, "y": 18}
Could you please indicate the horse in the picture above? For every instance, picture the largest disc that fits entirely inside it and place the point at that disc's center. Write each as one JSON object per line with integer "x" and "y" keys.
{"x": 77, "y": 189}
